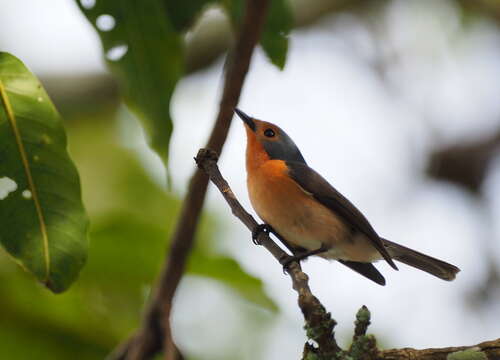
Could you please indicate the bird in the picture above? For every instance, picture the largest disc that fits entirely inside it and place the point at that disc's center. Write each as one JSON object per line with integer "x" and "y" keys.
{"x": 310, "y": 217}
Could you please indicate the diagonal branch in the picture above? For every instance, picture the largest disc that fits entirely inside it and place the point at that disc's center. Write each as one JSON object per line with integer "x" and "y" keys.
{"x": 319, "y": 324}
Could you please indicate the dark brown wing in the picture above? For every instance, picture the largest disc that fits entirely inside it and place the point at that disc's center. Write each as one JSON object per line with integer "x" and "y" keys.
{"x": 365, "y": 269}
{"x": 326, "y": 194}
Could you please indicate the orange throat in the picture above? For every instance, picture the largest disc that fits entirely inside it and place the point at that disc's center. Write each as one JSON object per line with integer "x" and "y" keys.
{"x": 256, "y": 155}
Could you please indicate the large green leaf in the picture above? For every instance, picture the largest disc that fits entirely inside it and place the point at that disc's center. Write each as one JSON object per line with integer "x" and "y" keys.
{"x": 279, "y": 22}
{"x": 145, "y": 52}
{"x": 43, "y": 223}
{"x": 131, "y": 218}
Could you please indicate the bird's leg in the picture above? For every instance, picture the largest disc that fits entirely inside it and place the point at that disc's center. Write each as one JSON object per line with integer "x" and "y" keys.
{"x": 260, "y": 228}
{"x": 298, "y": 256}
{"x": 269, "y": 229}
{"x": 290, "y": 247}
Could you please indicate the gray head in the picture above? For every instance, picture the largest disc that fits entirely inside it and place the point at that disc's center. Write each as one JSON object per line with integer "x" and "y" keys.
{"x": 275, "y": 142}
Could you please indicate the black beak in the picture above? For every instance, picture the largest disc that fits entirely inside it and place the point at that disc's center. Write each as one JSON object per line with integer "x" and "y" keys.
{"x": 247, "y": 119}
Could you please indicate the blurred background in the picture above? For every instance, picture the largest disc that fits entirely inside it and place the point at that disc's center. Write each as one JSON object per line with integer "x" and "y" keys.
{"x": 396, "y": 103}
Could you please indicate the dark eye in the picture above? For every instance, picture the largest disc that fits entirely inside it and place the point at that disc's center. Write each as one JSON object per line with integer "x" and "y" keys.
{"x": 269, "y": 132}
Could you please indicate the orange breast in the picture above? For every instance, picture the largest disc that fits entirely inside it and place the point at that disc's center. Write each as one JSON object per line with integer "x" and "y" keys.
{"x": 298, "y": 217}
{"x": 271, "y": 191}
{"x": 295, "y": 214}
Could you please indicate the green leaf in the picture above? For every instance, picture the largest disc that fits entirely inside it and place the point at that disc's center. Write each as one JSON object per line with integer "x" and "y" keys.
{"x": 279, "y": 22}
{"x": 274, "y": 38}
{"x": 235, "y": 10}
{"x": 145, "y": 53}
{"x": 182, "y": 14}
{"x": 43, "y": 222}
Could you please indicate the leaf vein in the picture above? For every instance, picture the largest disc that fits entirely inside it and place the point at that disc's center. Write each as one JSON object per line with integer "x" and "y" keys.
{"x": 24, "y": 158}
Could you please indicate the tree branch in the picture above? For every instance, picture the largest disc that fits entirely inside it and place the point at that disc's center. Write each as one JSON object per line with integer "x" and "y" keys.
{"x": 319, "y": 324}
{"x": 488, "y": 350}
{"x": 155, "y": 333}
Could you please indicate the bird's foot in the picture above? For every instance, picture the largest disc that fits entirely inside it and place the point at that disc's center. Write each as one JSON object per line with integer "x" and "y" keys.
{"x": 260, "y": 228}
{"x": 286, "y": 260}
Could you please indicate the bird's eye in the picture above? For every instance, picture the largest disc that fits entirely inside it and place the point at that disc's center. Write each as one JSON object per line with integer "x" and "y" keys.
{"x": 269, "y": 133}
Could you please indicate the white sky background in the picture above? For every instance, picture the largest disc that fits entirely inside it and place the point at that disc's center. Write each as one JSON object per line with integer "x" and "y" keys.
{"x": 368, "y": 136}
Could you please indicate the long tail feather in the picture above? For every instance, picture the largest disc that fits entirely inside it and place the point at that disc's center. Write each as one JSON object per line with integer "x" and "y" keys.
{"x": 433, "y": 266}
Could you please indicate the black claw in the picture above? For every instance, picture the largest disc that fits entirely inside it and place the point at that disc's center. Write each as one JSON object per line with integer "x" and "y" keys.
{"x": 256, "y": 232}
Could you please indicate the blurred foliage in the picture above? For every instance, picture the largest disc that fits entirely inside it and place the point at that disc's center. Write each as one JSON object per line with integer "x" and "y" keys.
{"x": 274, "y": 39}
{"x": 183, "y": 14}
{"x": 142, "y": 44}
{"x": 276, "y": 30}
{"x": 131, "y": 219}
{"x": 144, "y": 52}
{"x": 44, "y": 223}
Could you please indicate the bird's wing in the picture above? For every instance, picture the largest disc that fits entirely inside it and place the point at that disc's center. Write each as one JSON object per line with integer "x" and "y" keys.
{"x": 322, "y": 191}
{"x": 365, "y": 269}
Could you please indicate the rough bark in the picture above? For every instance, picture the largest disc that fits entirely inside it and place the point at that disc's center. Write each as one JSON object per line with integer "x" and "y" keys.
{"x": 488, "y": 350}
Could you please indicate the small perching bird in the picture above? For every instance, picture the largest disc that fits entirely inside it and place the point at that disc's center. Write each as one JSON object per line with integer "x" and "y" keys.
{"x": 310, "y": 216}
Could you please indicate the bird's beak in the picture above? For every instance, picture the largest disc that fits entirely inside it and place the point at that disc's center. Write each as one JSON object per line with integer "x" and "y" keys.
{"x": 246, "y": 119}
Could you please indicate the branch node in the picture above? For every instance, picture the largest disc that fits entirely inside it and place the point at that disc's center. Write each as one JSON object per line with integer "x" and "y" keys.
{"x": 364, "y": 348}
{"x": 204, "y": 155}
{"x": 362, "y": 322}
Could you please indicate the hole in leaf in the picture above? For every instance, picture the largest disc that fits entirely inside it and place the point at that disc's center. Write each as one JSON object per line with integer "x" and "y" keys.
{"x": 105, "y": 22}
{"x": 7, "y": 185}
{"x": 87, "y": 4}
{"x": 116, "y": 52}
{"x": 45, "y": 139}
{"x": 26, "y": 194}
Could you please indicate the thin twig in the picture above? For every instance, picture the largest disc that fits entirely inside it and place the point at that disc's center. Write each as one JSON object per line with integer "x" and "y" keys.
{"x": 319, "y": 324}
{"x": 155, "y": 333}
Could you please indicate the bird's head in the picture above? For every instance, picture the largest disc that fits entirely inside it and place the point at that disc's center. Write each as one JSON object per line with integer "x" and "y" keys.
{"x": 268, "y": 140}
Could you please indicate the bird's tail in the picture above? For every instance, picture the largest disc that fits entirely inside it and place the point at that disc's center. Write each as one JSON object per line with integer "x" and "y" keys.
{"x": 431, "y": 265}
